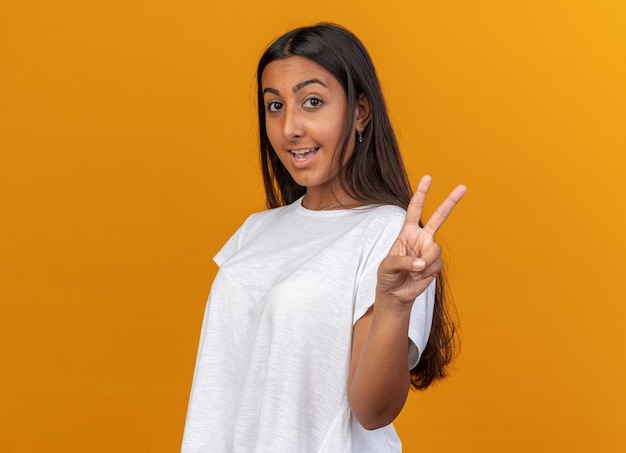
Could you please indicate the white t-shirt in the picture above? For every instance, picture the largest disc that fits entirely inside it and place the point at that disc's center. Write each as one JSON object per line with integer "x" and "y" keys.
{"x": 273, "y": 362}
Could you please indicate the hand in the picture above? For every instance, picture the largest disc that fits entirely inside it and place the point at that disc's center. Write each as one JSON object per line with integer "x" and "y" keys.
{"x": 415, "y": 258}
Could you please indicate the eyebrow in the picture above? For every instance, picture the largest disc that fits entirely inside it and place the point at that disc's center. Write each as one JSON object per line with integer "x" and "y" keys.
{"x": 301, "y": 85}
{"x": 297, "y": 87}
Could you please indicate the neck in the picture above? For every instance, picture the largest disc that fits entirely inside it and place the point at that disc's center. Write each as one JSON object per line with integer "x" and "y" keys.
{"x": 335, "y": 203}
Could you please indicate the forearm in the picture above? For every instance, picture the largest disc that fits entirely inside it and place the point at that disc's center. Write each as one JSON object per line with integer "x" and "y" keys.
{"x": 380, "y": 380}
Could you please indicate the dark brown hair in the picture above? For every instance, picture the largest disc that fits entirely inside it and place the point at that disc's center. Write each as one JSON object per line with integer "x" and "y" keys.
{"x": 374, "y": 173}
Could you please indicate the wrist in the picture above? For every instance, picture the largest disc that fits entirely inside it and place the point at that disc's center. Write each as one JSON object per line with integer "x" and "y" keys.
{"x": 388, "y": 305}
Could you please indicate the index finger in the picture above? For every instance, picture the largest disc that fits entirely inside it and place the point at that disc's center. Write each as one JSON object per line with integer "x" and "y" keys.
{"x": 416, "y": 205}
{"x": 443, "y": 211}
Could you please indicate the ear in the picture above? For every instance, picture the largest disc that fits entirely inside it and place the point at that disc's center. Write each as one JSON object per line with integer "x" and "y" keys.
{"x": 362, "y": 113}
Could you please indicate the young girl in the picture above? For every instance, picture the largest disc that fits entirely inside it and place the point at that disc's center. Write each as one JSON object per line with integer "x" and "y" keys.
{"x": 328, "y": 305}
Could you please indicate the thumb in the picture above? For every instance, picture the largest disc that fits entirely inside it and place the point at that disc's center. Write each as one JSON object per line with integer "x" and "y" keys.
{"x": 394, "y": 264}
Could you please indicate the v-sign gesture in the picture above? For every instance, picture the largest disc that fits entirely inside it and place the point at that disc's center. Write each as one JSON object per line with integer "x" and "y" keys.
{"x": 415, "y": 258}
{"x": 379, "y": 377}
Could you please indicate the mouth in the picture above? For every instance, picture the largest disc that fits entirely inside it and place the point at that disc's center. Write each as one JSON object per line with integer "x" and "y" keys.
{"x": 301, "y": 155}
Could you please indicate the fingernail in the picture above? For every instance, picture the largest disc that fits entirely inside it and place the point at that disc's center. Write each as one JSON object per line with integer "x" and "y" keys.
{"x": 419, "y": 264}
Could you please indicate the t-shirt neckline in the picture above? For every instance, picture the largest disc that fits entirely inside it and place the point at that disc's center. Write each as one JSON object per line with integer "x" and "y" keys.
{"x": 329, "y": 212}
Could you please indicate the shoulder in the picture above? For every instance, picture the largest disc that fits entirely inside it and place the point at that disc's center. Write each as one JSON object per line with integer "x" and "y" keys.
{"x": 254, "y": 225}
{"x": 267, "y": 216}
{"x": 389, "y": 212}
{"x": 378, "y": 227}
{"x": 387, "y": 218}
{"x": 261, "y": 220}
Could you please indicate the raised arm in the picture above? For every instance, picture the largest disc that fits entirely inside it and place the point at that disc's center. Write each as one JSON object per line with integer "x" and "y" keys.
{"x": 379, "y": 375}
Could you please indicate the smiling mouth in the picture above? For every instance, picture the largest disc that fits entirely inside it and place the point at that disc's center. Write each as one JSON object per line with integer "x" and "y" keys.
{"x": 303, "y": 154}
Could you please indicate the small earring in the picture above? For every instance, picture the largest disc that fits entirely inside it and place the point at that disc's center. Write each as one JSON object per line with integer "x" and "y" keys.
{"x": 359, "y": 136}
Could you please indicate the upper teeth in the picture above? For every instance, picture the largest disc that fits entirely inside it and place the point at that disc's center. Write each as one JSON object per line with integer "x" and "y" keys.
{"x": 301, "y": 151}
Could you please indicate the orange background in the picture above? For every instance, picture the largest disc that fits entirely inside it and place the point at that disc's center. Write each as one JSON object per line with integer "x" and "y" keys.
{"x": 128, "y": 156}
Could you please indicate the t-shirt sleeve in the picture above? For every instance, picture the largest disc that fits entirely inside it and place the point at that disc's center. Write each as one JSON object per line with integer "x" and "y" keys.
{"x": 421, "y": 322}
{"x": 379, "y": 241}
{"x": 246, "y": 233}
{"x": 240, "y": 237}
{"x": 230, "y": 248}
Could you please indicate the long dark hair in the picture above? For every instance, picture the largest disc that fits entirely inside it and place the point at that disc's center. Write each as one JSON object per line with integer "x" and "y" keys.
{"x": 374, "y": 172}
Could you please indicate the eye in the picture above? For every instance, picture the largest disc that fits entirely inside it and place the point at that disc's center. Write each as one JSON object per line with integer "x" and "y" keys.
{"x": 313, "y": 103}
{"x": 274, "y": 106}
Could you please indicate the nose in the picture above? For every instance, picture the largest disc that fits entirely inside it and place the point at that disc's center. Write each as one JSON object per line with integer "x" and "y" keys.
{"x": 293, "y": 126}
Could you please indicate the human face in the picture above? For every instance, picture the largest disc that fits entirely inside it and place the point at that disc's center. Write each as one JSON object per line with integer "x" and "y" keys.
{"x": 306, "y": 109}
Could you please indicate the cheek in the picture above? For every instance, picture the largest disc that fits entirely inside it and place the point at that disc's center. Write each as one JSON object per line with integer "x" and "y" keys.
{"x": 332, "y": 128}
{"x": 334, "y": 135}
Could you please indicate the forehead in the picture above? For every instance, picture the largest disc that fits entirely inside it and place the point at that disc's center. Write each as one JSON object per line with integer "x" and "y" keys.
{"x": 290, "y": 71}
